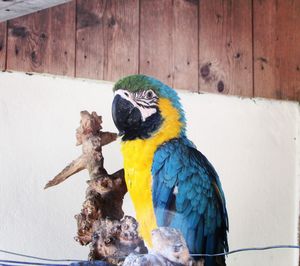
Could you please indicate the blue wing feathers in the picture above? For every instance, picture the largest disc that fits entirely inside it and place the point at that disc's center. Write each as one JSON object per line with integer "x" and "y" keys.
{"x": 187, "y": 195}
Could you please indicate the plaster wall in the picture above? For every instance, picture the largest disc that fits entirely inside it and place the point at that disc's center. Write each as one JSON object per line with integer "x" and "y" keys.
{"x": 251, "y": 142}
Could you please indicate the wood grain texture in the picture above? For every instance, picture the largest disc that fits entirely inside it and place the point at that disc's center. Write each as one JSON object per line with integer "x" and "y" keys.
{"x": 107, "y": 38}
{"x": 169, "y": 42}
{"x": 277, "y": 49}
{"x": 188, "y": 44}
{"x": 43, "y": 42}
{"x": 225, "y": 47}
{"x": 156, "y": 39}
{"x": 185, "y": 45}
{"x": 2, "y": 45}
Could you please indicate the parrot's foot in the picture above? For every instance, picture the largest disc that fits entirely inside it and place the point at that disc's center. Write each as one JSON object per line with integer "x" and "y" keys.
{"x": 169, "y": 249}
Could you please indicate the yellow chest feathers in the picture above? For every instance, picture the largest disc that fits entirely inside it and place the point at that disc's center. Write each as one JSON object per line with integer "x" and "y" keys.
{"x": 138, "y": 157}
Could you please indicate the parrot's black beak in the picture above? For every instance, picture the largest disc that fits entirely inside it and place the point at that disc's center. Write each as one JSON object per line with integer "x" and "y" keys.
{"x": 126, "y": 116}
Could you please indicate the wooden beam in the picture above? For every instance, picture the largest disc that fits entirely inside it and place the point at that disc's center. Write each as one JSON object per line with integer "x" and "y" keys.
{"x": 107, "y": 38}
{"x": 3, "y": 38}
{"x": 277, "y": 49}
{"x": 43, "y": 41}
{"x": 225, "y": 47}
{"x": 15, "y": 8}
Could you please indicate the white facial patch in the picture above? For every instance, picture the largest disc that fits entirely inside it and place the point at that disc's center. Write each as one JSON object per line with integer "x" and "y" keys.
{"x": 129, "y": 96}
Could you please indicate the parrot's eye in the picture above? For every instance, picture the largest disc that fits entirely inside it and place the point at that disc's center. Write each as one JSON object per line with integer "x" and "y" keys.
{"x": 149, "y": 94}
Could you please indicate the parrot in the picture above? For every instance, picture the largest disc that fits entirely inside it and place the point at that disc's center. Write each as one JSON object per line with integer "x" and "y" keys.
{"x": 170, "y": 182}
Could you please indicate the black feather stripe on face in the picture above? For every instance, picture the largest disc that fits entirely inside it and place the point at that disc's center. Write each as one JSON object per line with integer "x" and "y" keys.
{"x": 147, "y": 106}
{"x": 143, "y": 100}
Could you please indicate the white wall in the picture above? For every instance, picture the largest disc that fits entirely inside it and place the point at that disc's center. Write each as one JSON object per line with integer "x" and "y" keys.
{"x": 251, "y": 143}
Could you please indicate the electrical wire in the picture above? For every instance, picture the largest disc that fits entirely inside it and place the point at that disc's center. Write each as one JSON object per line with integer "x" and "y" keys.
{"x": 38, "y": 258}
{"x": 17, "y": 263}
{"x": 247, "y": 249}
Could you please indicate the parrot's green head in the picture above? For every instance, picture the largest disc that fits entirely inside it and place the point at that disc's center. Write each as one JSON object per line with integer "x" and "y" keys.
{"x": 144, "y": 107}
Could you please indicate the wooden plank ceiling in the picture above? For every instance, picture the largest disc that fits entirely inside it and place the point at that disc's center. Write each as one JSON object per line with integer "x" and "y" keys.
{"x": 43, "y": 42}
{"x": 237, "y": 47}
{"x": 225, "y": 47}
{"x": 277, "y": 49}
{"x": 107, "y": 39}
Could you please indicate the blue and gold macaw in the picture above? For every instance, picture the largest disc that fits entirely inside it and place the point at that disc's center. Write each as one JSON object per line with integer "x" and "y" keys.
{"x": 170, "y": 182}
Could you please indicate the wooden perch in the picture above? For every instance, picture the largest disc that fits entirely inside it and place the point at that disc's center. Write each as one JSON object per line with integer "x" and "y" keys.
{"x": 104, "y": 198}
{"x": 101, "y": 221}
{"x": 90, "y": 136}
{"x": 113, "y": 240}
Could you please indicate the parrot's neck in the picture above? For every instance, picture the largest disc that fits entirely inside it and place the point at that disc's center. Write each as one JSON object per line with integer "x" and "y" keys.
{"x": 138, "y": 157}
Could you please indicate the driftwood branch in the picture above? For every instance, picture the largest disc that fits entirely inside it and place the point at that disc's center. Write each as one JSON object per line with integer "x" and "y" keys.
{"x": 100, "y": 221}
